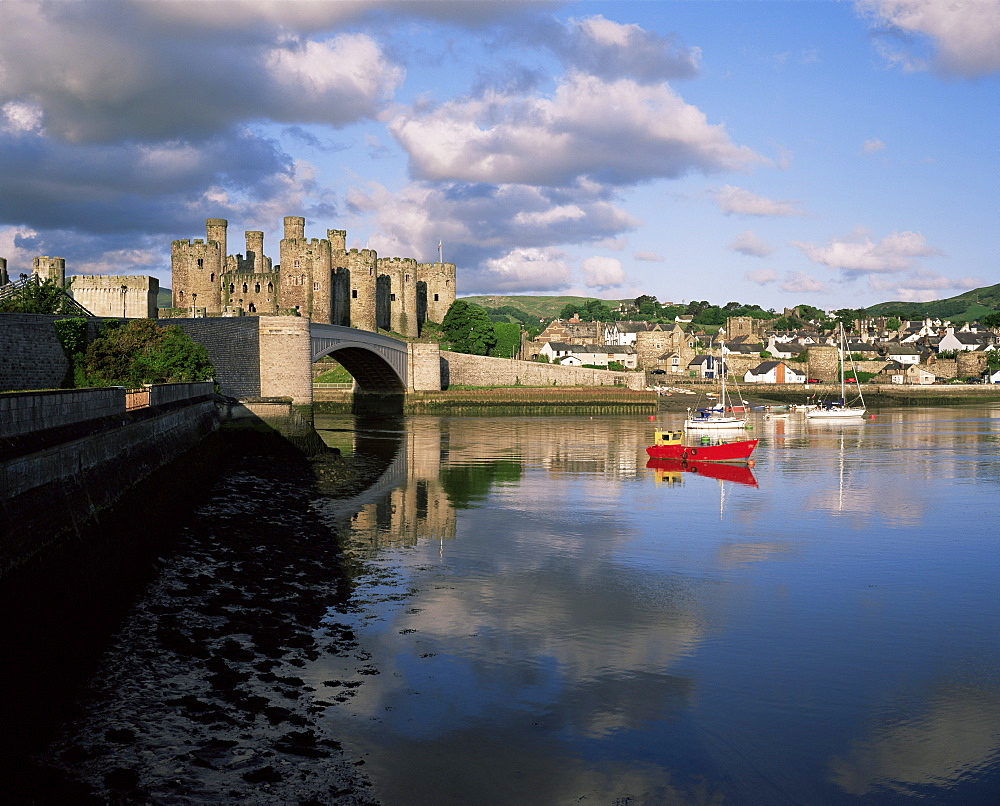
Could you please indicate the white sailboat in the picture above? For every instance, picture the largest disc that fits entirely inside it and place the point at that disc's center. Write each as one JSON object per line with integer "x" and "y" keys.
{"x": 716, "y": 418}
{"x": 835, "y": 411}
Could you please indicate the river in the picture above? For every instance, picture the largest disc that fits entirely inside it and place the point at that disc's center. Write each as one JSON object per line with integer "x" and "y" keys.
{"x": 528, "y": 614}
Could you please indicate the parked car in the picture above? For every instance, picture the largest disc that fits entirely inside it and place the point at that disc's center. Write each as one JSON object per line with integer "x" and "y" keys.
{"x": 657, "y": 372}
{"x": 813, "y": 380}
{"x": 850, "y": 380}
{"x": 974, "y": 379}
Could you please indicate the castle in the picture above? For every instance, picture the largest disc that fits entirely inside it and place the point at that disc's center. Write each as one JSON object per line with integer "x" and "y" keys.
{"x": 317, "y": 278}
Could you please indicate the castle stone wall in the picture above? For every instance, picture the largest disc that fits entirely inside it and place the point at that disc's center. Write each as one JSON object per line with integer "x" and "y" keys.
{"x": 102, "y": 294}
{"x": 233, "y": 346}
{"x": 824, "y": 363}
{"x": 27, "y": 412}
{"x": 424, "y": 367}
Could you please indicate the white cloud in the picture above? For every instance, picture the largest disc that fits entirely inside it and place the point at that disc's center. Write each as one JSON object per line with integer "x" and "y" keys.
{"x": 650, "y": 257}
{"x": 742, "y": 202}
{"x": 521, "y": 270}
{"x": 872, "y": 146}
{"x": 602, "y": 272}
{"x": 479, "y": 223}
{"x": 618, "y": 132}
{"x": 748, "y": 243}
{"x": 964, "y": 34}
{"x": 762, "y": 276}
{"x": 614, "y": 50}
{"x": 799, "y": 282}
{"x": 19, "y": 117}
{"x": 894, "y": 253}
{"x": 18, "y": 257}
{"x": 922, "y": 286}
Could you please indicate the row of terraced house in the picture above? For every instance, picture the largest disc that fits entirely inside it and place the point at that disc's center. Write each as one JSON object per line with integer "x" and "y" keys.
{"x": 916, "y": 352}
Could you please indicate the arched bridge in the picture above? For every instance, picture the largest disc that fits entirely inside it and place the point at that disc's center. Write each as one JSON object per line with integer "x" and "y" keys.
{"x": 377, "y": 363}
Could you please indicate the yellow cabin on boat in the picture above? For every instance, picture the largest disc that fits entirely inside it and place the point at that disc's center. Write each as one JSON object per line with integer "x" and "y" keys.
{"x": 667, "y": 437}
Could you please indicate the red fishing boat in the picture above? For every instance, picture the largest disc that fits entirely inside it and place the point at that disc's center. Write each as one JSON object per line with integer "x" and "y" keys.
{"x": 670, "y": 445}
{"x": 670, "y": 468}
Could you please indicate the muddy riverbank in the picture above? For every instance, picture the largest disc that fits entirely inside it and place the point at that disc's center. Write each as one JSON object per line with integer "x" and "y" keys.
{"x": 188, "y": 688}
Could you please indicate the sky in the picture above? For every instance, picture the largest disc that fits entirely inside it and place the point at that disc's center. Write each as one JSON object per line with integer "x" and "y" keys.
{"x": 825, "y": 152}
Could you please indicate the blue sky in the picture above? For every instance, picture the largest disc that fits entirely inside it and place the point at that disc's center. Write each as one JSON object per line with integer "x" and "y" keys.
{"x": 837, "y": 154}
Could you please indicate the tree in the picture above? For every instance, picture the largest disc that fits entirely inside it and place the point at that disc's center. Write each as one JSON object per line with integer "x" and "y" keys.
{"x": 140, "y": 351}
{"x": 991, "y": 320}
{"x": 893, "y": 323}
{"x": 45, "y": 296}
{"x": 468, "y": 329}
{"x": 508, "y": 339}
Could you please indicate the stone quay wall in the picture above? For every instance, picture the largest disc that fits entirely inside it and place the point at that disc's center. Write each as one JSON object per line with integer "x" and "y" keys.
{"x": 459, "y": 369}
{"x": 55, "y": 480}
{"x": 27, "y": 412}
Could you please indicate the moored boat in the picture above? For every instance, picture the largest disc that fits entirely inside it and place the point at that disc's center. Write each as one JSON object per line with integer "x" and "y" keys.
{"x": 670, "y": 445}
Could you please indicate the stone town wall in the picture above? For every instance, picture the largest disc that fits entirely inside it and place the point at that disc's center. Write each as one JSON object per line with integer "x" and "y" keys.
{"x": 970, "y": 364}
{"x": 31, "y": 357}
{"x": 476, "y": 370}
{"x": 233, "y": 347}
{"x": 824, "y": 363}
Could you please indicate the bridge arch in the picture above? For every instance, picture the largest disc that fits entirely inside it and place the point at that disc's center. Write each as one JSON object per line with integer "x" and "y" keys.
{"x": 379, "y": 364}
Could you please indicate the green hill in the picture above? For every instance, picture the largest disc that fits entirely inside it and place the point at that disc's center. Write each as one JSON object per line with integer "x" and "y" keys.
{"x": 544, "y": 308}
{"x": 962, "y": 308}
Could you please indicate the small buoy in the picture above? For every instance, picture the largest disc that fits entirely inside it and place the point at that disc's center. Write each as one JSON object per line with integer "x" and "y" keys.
{"x": 750, "y": 463}
{"x": 652, "y": 418}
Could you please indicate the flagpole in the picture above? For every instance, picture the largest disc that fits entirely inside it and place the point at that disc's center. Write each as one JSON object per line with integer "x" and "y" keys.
{"x": 440, "y": 253}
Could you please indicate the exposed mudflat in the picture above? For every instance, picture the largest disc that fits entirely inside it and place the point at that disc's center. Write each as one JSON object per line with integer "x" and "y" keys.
{"x": 202, "y": 697}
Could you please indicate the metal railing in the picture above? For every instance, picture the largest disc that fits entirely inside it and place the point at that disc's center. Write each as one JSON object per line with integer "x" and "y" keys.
{"x": 136, "y": 398}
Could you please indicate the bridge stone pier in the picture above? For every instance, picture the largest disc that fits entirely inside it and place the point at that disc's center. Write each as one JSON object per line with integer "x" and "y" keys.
{"x": 272, "y": 356}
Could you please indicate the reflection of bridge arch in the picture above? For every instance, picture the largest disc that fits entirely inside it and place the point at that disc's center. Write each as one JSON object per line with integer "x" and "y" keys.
{"x": 377, "y": 363}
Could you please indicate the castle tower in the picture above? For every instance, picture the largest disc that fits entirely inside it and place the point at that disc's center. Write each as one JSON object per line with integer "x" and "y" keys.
{"x": 255, "y": 252}
{"x": 435, "y": 291}
{"x": 362, "y": 265}
{"x": 196, "y": 268}
{"x": 4, "y": 279}
{"x": 50, "y": 268}
{"x": 305, "y": 272}
{"x": 401, "y": 289}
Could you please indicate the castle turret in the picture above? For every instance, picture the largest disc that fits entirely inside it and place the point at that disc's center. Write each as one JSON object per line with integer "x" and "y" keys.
{"x": 215, "y": 230}
{"x": 400, "y": 290}
{"x": 435, "y": 291}
{"x": 362, "y": 265}
{"x": 50, "y": 268}
{"x": 295, "y": 227}
{"x": 4, "y": 279}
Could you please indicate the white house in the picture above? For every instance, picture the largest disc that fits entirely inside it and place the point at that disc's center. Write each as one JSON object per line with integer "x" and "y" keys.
{"x": 919, "y": 375}
{"x": 903, "y": 353}
{"x": 593, "y": 354}
{"x": 774, "y": 372}
{"x": 993, "y": 377}
{"x": 965, "y": 341}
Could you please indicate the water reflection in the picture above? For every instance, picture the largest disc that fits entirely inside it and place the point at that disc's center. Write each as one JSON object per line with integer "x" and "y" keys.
{"x": 553, "y": 619}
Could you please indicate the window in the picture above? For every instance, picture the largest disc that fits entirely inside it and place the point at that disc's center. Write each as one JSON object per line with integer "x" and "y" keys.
{"x": 296, "y": 264}
{"x": 211, "y": 277}
{"x": 270, "y": 288}
{"x": 354, "y": 293}
{"x": 315, "y": 286}
{"x": 232, "y": 288}
{"x": 392, "y": 298}
{"x": 435, "y": 297}
{"x": 201, "y": 262}
{"x": 244, "y": 288}
{"x": 256, "y": 288}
